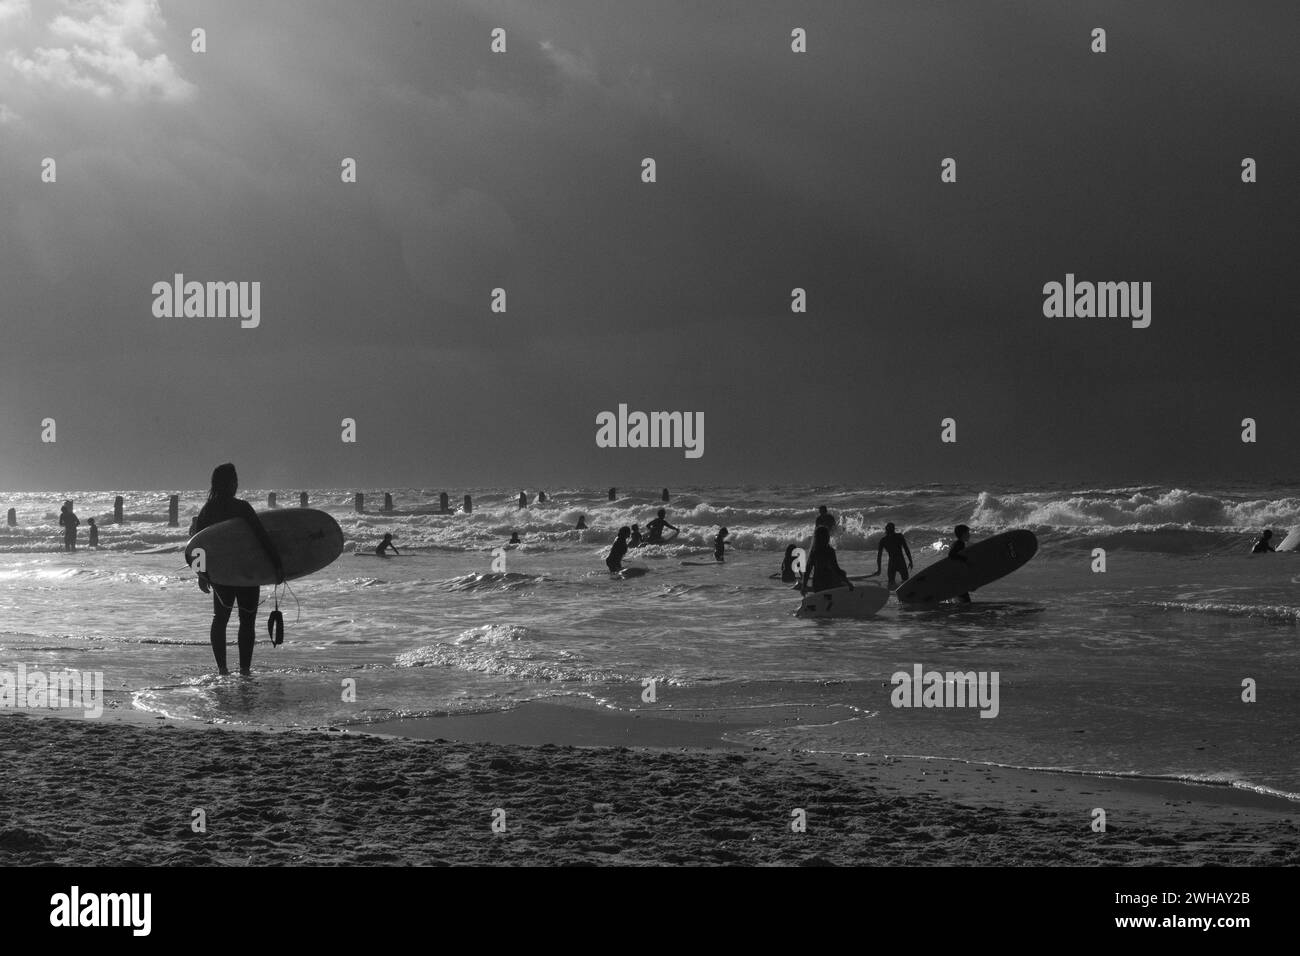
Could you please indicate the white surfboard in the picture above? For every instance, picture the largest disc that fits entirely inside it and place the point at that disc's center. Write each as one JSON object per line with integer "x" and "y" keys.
{"x": 843, "y": 602}
{"x": 1291, "y": 542}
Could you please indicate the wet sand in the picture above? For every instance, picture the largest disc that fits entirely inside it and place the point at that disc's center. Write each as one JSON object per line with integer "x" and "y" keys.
{"x": 123, "y": 792}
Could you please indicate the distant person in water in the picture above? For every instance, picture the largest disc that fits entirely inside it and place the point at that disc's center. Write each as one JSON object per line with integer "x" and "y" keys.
{"x": 514, "y": 538}
{"x": 541, "y": 497}
{"x": 656, "y": 527}
{"x": 719, "y": 543}
{"x": 385, "y": 546}
{"x": 617, "y": 551}
{"x": 93, "y": 530}
{"x": 896, "y": 545}
{"x": 787, "y": 574}
{"x": 962, "y": 534}
{"x": 582, "y": 523}
{"x": 636, "y": 537}
{"x": 1261, "y": 544}
{"x": 523, "y": 500}
{"x": 68, "y": 521}
{"x": 822, "y": 565}
{"x": 222, "y": 505}
{"x": 824, "y": 519}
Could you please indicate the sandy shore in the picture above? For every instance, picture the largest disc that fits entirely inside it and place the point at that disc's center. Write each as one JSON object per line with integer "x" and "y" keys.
{"x": 123, "y": 792}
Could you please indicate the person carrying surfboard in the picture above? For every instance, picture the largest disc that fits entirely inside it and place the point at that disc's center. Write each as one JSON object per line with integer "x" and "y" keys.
{"x": 896, "y": 545}
{"x": 1261, "y": 544}
{"x": 656, "y": 528}
{"x": 822, "y": 565}
{"x": 222, "y": 505}
{"x": 962, "y": 533}
{"x": 614, "y": 560}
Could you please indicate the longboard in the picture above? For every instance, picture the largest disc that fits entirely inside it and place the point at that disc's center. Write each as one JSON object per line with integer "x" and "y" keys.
{"x": 843, "y": 602}
{"x": 307, "y": 540}
{"x": 986, "y": 561}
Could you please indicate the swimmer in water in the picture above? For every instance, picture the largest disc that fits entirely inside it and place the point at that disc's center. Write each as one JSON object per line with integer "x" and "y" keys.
{"x": 614, "y": 561}
{"x": 385, "y": 546}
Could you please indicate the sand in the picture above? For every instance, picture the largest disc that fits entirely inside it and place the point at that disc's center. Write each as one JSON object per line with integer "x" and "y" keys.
{"x": 124, "y": 792}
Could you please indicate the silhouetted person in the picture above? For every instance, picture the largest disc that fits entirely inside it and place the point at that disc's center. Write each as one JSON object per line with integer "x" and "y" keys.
{"x": 786, "y": 573}
{"x": 962, "y": 533}
{"x": 896, "y": 546}
{"x": 636, "y": 537}
{"x": 385, "y": 546}
{"x": 822, "y": 565}
{"x": 93, "y": 531}
{"x": 222, "y": 505}
{"x": 614, "y": 560}
{"x": 582, "y": 523}
{"x": 824, "y": 519}
{"x": 719, "y": 543}
{"x": 656, "y": 528}
{"x": 514, "y": 538}
{"x": 1261, "y": 544}
{"x": 68, "y": 521}
{"x": 523, "y": 500}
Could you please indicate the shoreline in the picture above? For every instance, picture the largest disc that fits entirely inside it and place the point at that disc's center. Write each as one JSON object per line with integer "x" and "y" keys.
{"x": 121, "y": 791}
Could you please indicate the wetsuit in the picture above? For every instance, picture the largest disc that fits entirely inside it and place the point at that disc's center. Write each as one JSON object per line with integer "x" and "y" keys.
{"x": 787, "y": 569}
{"x": 94, "y": 536}
{"x": 718, "y": 548}
{"x": 825, "y": 570}
{"x": 636, "y": 539}
{"x": 894, "y": 545}
{"x": 224, "y": 597}
{"x": 955, "y": 552}
{"x": 615, "y": 560}
{"x": 1262, "y": 547}
{"x": 69, "y": 521}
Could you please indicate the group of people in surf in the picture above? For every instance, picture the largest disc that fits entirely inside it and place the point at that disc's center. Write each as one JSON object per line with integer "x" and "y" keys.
{"x": 822, "y": 565}
{"x": 69, "y": 522}
{"x": 632, "y": 537}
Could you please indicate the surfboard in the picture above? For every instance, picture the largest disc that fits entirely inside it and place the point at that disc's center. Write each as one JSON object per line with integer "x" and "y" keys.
{"x": 162, "y": 549}
{"x": 1291, "y": 542}
{"x": 307, "y": 540}
{"x": 632, "y": 571}
{"x": 986, "y": 561}
{"x": 702, "y": 564}
{"x": 843, "y": 602}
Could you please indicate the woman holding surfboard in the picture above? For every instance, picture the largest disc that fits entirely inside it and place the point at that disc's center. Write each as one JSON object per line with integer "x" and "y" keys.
{"x": 222, "y": 505}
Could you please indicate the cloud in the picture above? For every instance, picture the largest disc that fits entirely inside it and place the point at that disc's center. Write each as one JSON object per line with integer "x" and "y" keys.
{"x": 102, "y": 47}
{"x": 14, "y": 10}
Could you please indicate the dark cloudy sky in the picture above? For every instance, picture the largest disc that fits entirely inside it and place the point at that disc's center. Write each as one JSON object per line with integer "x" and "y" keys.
{"x": 522, "y": 170}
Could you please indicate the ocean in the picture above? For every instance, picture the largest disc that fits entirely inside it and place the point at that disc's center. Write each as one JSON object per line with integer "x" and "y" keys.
{"x": 1137, "y": 670}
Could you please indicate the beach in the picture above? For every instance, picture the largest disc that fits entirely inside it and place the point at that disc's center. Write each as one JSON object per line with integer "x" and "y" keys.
{"x": 116, "y": 792}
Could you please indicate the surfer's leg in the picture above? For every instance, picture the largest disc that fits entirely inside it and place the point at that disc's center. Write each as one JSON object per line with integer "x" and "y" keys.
{"x": 247, "y": 598}
{"x": 223, "y": 599}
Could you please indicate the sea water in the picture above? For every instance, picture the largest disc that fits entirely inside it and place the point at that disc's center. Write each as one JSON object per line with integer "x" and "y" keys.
{"x": 1139, "y": 669}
